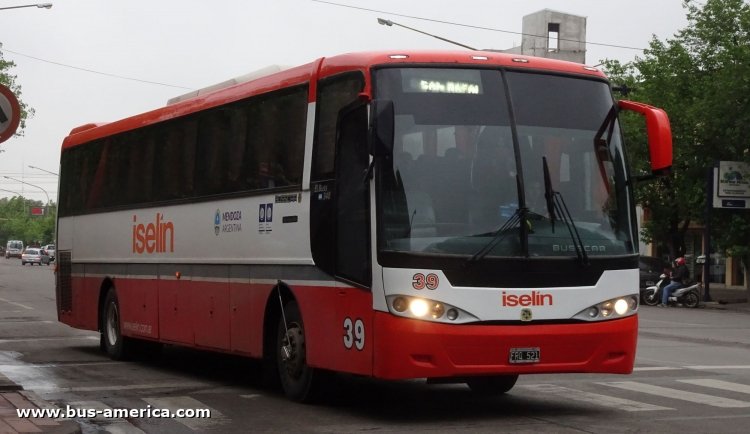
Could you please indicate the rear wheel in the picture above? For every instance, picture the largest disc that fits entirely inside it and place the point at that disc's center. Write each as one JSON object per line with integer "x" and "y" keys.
{"x": 650, "y": 298}
{"x": 692, "y": 299}
{"x": 113, "y": 342}
{"x": 299, "y": 381}
{"x": 495, "y": 385}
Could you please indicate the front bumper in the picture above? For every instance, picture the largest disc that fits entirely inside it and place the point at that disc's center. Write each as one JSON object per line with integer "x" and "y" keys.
{"x": 406, "y": 348}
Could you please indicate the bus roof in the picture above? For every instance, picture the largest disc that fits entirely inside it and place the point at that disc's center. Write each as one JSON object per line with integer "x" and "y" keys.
{"x": 312, "y": 71}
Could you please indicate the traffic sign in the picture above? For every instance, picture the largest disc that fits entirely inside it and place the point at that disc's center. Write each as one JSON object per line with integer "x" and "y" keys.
{"x": 10, "y": 113}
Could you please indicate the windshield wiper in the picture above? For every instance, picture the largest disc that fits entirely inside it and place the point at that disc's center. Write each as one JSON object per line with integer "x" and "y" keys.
{"x": 497, "y": 236}
{"x": 556, "y": 206}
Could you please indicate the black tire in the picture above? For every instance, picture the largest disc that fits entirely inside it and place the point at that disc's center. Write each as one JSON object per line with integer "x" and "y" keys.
{"x": 651, "y": 299}
{"x": 300, "y": 382}
{"x": 692, "y": 299}
{"x": 112, "y": 340}
{"x": 491, "y": 386}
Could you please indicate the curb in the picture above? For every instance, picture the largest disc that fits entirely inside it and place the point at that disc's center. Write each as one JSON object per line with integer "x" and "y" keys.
{"x": 14, "y": 397}
{"x": 6, "y": 385}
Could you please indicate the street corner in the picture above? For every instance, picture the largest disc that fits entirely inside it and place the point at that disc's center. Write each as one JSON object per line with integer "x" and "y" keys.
{"x": 7, "y": 385}
{"x": 25, "y": 412}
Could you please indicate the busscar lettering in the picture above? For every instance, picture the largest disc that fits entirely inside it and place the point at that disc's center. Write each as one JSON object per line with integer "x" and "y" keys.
{"x": 156, "y": 237}
{"x": 536, "y": 298}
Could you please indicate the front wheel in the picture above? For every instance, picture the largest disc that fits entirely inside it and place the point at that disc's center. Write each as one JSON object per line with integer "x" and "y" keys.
{"x": 112, "y": 340}
{"x": 490, "y": 386}
{"x": 299, "y": 381}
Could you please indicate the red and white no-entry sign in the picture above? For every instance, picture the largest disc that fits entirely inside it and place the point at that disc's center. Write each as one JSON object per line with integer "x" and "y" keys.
{"x": 10, "y": 113}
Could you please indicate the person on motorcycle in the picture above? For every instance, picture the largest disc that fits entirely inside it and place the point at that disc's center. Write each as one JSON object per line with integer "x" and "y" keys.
{"x": 679, "y": 274}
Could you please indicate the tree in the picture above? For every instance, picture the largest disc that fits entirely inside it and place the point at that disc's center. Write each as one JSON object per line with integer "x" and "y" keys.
{"x": 17, "y": 224}
{"x": 701, "y": 78}
{"x": 9, "y": 80}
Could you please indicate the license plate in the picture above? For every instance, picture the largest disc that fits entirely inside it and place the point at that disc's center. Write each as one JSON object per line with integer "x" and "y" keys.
{"x": 650, "y": 283}
{"x": 524, "y": 355}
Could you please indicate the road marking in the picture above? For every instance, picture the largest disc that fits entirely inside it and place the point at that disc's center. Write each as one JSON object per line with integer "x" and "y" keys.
{"x": 593, "y": 398}
{"x": 174, "y": 403}
{"x": 113, "y": 425}
{"x": 666, "y": 392}
{"x": 89, "y": 338}
{"x": 252, "y": 396}
{"x": 658, "y": 368}
{"x": 55, "y": 389}
{"x": 718, "y": 384}
{"x": 717, "y": 367}
{"x": 17, "y": 304}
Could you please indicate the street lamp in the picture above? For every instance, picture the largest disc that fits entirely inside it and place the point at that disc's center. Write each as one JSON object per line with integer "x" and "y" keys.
{"x": 38, "y": 5}
{"x": 390, "y": 23}
{"x": 43, "y": 170}
{"x": 11, "y": 191}
{"x": 24, "y": 182}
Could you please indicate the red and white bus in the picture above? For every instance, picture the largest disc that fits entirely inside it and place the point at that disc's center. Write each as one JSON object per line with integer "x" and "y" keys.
{"x": 456, "y": 216}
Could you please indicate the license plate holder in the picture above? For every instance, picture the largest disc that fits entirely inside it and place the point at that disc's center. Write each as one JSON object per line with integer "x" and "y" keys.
{"x": 524, "y": 355}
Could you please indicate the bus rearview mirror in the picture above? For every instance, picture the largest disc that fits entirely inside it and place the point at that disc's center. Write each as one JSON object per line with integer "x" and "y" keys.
{"x": 659, "y": 135}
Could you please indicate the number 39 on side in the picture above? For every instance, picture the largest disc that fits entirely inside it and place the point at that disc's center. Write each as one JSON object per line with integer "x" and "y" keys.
{"x": 354, "y": 334}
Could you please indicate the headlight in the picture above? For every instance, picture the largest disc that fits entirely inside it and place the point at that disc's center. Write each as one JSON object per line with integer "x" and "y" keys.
{"x": 610, "y": 309}
{"x": 426, "y": 309}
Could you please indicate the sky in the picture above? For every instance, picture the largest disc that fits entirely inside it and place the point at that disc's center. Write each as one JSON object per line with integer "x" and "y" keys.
{"x": 88, "y": 61}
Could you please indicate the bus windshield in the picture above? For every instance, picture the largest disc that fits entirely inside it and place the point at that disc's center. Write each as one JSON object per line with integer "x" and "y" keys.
{"x": 470, "y": 154}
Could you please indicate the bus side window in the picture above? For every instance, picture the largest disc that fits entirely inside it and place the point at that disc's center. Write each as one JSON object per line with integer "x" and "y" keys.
{"x": 211, "y": 152}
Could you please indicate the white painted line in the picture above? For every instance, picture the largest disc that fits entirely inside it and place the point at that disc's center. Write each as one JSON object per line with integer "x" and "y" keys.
{"x": 253, "y": 396}
{"x": 110, "y": 425}
{"x": 657, "y": 368}
{"x": 593, "y": 398}
{"x": 717, "y": 367}
{"x": 666, "y": 392}
{"x": 43, "y": 389}
{"x": 88, "y": 338}
{"x": 16, "y": 304}
{"x": 719, "y": 384}
{"x": 174, "y": 403}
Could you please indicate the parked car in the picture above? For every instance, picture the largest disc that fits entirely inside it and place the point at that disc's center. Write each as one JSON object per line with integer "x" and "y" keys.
{"x": 650, "y": 270}
{"x": 34, "y": 256}
{"x": 50, "y": 249}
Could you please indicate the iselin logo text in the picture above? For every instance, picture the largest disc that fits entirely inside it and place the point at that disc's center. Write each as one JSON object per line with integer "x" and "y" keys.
{"x": 154, "y": 237}
{"x": 536, "y": 298}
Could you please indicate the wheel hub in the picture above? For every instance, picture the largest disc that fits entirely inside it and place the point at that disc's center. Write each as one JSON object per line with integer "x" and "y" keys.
{"x": 293, "y": 351}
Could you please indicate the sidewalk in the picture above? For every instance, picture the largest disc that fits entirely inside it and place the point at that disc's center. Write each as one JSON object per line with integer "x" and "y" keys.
{"x": 12, "y": 397}
{"x": 728, "y": 299}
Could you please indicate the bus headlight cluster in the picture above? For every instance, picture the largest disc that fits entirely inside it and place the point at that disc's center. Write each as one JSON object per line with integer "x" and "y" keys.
{"x": 610, "y": 309}
{"x": 430, "y": 310}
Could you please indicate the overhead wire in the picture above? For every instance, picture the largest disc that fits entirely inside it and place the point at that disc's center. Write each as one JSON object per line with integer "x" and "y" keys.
{"x": 470, "y": 26}
{"x": 108, "y": 74}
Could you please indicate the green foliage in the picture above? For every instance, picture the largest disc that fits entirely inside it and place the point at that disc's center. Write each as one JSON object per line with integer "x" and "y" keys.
{"x": 9, "y": 80}
{"x": 701, "y": 78}
{"x": 17, "y": 224}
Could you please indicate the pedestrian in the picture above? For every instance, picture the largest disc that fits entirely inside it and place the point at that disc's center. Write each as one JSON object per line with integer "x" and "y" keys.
{"x": 679, "y": 275}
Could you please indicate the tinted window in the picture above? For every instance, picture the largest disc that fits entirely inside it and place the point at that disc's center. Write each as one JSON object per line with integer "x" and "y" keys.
{"x": 333, "y": 94}
{"x": 253, "y": 144}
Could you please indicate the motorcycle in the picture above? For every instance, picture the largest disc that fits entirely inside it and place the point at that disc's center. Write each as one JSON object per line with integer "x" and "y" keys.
{"x": 688, "y": 296}
{"x": 651, "y": 295}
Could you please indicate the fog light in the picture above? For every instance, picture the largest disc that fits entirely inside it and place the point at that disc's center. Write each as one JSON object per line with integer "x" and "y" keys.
{"x": 400, "y": 304}
{"x": 452, "y": 314}
{"x": 633, "y": 303}
{"x": 418, "y": 307}
{"x": 593, "y": 312}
